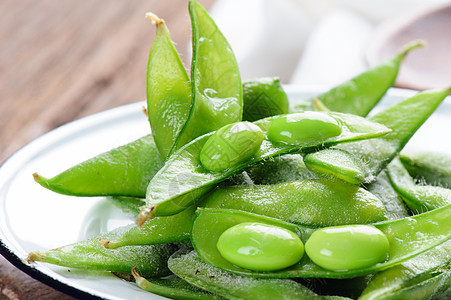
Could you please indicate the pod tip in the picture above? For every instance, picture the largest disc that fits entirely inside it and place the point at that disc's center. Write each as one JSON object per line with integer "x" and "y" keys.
{"x": 412, "y": 45}
{"x": 448, "y": 89}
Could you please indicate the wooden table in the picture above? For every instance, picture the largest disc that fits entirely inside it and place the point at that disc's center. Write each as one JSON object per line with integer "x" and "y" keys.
{"x": 62, "y": 60}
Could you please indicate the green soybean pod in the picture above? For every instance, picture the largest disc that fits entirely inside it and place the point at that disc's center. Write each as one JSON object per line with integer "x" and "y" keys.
{"x": 361, "y": 93}
{"x": 172, "y": 287}
{"x": 338, "y": 163}
{"x": 129, "y": 205}
{"x": 416, "y": 270}
{"x": 182, "y": 180}
{"x": 436, "y": 287}
{"x": 263, "y": 97}
{"x": 168, "y": 93}
{"x": 122, "y": 171}
{"x": 261, "y": 247}
{"x": 217, "y": 95}
{"x": 159, "y": 230}
{"x": 194, "y": 270}
{"x": 231, "y": 145}
{"x": 434, "y": 168}
{"x": 348, "y": 247}
{"x": 90, "y": 255}
{"x": 404, "y": 118}
{"x": 315, "y": 202}
{"x": 302, "y": 128}
{"x": 393, "y": 203}
{"x": 417, "y": 197}
{"x": 408, "y": 237}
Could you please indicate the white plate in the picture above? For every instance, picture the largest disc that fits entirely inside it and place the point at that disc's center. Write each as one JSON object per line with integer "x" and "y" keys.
{"x": 33, "y": 218}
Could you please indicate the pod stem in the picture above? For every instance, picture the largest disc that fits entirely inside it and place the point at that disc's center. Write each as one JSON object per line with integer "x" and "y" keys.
{"x": 104, "y": 243}
{"x": 318, "y": 105}
{"x": 34, "y": 256}
{"x": 147, "y": 213}
{"x": 145, "y": 111}
{"x": 135, "y": 273}
{"x": 140, "y": 281}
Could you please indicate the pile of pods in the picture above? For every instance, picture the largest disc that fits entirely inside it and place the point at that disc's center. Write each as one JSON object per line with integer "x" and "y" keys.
{"x": 238, "y": 196}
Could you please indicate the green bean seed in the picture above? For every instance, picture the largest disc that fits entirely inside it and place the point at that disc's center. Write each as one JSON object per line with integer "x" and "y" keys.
{"x": 231, "y": 145}
{"x": 260, "y": 247}
{"x": 263, "y": 97}
{"x": 347, "y": 247}
{"x": 299, "y": 128}
{"x": 336, "y": 162}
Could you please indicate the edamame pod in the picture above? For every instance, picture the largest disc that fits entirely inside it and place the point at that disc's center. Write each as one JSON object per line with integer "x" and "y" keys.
{"x": 183, "y": 179}
{"x": 408, "y": 274}
{"x": 418, "y": 198}
{"x": 434, "y": 168}
{"x": 128, "y": 205}
{"x": 192, "y": 269}
{"x": 90, "y": 255}
{"x": 168, "y": 92}
{"x": 393, "y": 203}
{"x": 404, "y": 118}
{"x": 159, "y": 230}
{"x": 262, "y": 98}
{"x": 172, "y": 287}
{"x": 123, "y": 171}
{"x": 407, "y": 237}
{"x": 361, "y": 93}
{"x": 216, "y": 82}
{"x": 338, "y": 163}
{"x": 317, "y": 202}
{"x": 437, "y": 287}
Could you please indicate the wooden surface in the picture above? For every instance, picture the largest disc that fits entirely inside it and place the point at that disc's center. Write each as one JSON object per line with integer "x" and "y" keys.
{"x": 62, "y": 60}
